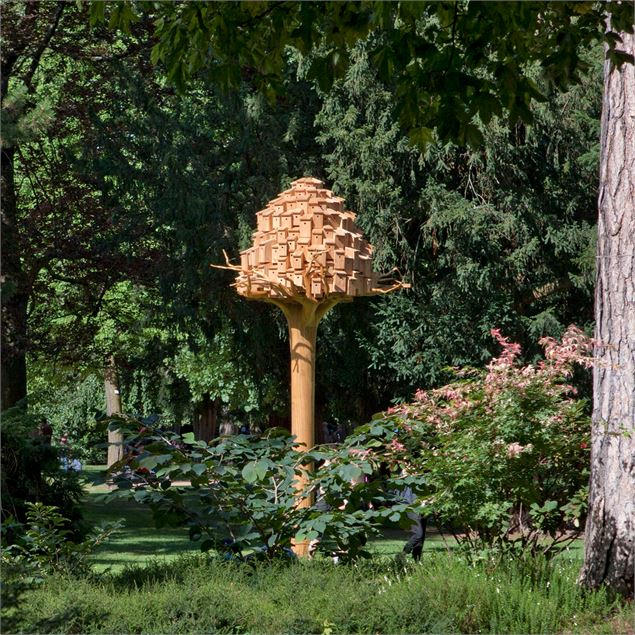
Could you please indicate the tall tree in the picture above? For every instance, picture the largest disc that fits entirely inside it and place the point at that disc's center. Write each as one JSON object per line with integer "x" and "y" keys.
{"x": 27, "y": 33}
{"x": 63, "y": 243}
{"x": 610, "y": 531}
{"x": 497, "y": 236}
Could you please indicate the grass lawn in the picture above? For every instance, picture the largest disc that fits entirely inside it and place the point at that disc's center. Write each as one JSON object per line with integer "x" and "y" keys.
{"x": 140, "y": 542}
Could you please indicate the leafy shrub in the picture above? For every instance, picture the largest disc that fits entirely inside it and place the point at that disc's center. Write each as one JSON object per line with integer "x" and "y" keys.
{"x": 242, "y": 492}
{"x": 500, "y": 456}
{"x": 42, "y": 546}
{"x": 31, "y": 472}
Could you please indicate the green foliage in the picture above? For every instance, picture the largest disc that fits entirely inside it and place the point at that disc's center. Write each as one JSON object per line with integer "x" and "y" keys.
{"x": 450, "y": 63}
{"x": 244, "y": 492}
{"x": 43, "y": 547}
{"x": 499, "y": 236}
{"x": 22, "y": 120}
{"x": 215, "y": 370}
{"x": 73, "y": 405}
{"x": 501, "y": 457}
{"x": 31, "y": 472}
{"x": 445, "y": 595}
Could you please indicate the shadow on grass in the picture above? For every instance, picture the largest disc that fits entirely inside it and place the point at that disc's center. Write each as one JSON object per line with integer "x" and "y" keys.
{"x": 140, "y": 541}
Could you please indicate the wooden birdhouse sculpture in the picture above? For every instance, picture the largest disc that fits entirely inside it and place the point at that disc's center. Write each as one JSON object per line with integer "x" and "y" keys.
{"x": 307, "y": 256}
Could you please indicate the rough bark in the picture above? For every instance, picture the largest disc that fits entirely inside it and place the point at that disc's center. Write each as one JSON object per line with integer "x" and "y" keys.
{"x": 206, "y": 418}
{"x": 610, "y": 532}
{"x": 113, "y": 407}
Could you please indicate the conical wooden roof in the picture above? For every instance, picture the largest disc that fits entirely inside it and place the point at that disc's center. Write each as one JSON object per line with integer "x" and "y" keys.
{"x": 306, "y": 244}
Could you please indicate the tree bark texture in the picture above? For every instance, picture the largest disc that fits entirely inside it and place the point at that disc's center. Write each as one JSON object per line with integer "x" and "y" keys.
{"x": 206, "y": 419}
{"x": 610, "y": 531}
{"x": 113, "y": 407}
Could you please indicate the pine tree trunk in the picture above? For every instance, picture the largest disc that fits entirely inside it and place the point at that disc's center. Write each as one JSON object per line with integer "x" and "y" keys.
{"x": 113, "y": 406}
{"x": 610, "y": 531}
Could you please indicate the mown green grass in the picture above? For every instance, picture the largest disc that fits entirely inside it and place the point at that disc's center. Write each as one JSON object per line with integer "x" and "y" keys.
{"x": 139, "y": 541}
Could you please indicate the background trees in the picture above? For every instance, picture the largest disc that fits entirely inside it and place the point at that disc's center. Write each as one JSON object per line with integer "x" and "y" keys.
{"x": 123, "y": 185}
{"x": 452, "y": 64}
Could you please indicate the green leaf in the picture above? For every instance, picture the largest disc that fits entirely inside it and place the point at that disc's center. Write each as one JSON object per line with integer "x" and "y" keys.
{"x": 261, "y": 467}
{"x": 550, "y": 506}
{"x": 249, "y": 472}
{"x": 199, "y": 469}
{"x": 421, "y": 137}
{"x": 188, "y": 438}
{"x": 97, "y": 12}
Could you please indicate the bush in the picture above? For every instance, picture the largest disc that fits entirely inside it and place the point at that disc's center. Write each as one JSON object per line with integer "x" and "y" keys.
{"x": 42, "y": 547}
{"x": 244, "y": 492}
{"x": 501, "y": 457}
{"x": 31, "y": 472}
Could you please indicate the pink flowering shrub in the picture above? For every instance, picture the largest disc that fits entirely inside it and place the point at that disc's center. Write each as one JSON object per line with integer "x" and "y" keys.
{"x": 499, "y": 456}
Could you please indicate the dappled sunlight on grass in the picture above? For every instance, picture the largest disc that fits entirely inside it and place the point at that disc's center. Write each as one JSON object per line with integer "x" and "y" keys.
{"x": 139, "y": 541}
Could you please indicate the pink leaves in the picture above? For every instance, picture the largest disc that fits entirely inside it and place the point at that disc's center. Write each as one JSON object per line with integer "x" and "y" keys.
{"x": 516, "y": 449}
{"x": 511, "y": 350}
{"x": 575, "y": 348}
{"x": 442, "y": 407}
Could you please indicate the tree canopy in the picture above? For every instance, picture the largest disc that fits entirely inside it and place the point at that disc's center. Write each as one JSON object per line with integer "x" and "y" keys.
{"x": 449, "y": 62}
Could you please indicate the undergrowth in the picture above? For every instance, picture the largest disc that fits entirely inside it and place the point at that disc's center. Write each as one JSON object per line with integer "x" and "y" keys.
{"x": 443, "y": 594}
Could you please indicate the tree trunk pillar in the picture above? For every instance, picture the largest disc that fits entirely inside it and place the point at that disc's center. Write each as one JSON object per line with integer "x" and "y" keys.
{"x": 609, "y": 557}
{"x": 303, "y": 319}
{"x": 302, "y": 338}
{"x": 15, "y": 290}
{"x": 113, "y": 407}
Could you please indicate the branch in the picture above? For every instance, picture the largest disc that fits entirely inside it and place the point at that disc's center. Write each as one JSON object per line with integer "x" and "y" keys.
{"x": 257, "y": 18}
{"x": 545, "y": 290}
{"x": 35, "y": 62}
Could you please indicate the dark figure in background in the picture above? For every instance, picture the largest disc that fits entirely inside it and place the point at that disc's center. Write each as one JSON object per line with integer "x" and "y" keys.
{"x": 46, "y": 432}
{"x": 417, "y": 536}
{"x": 417, "y": 528}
